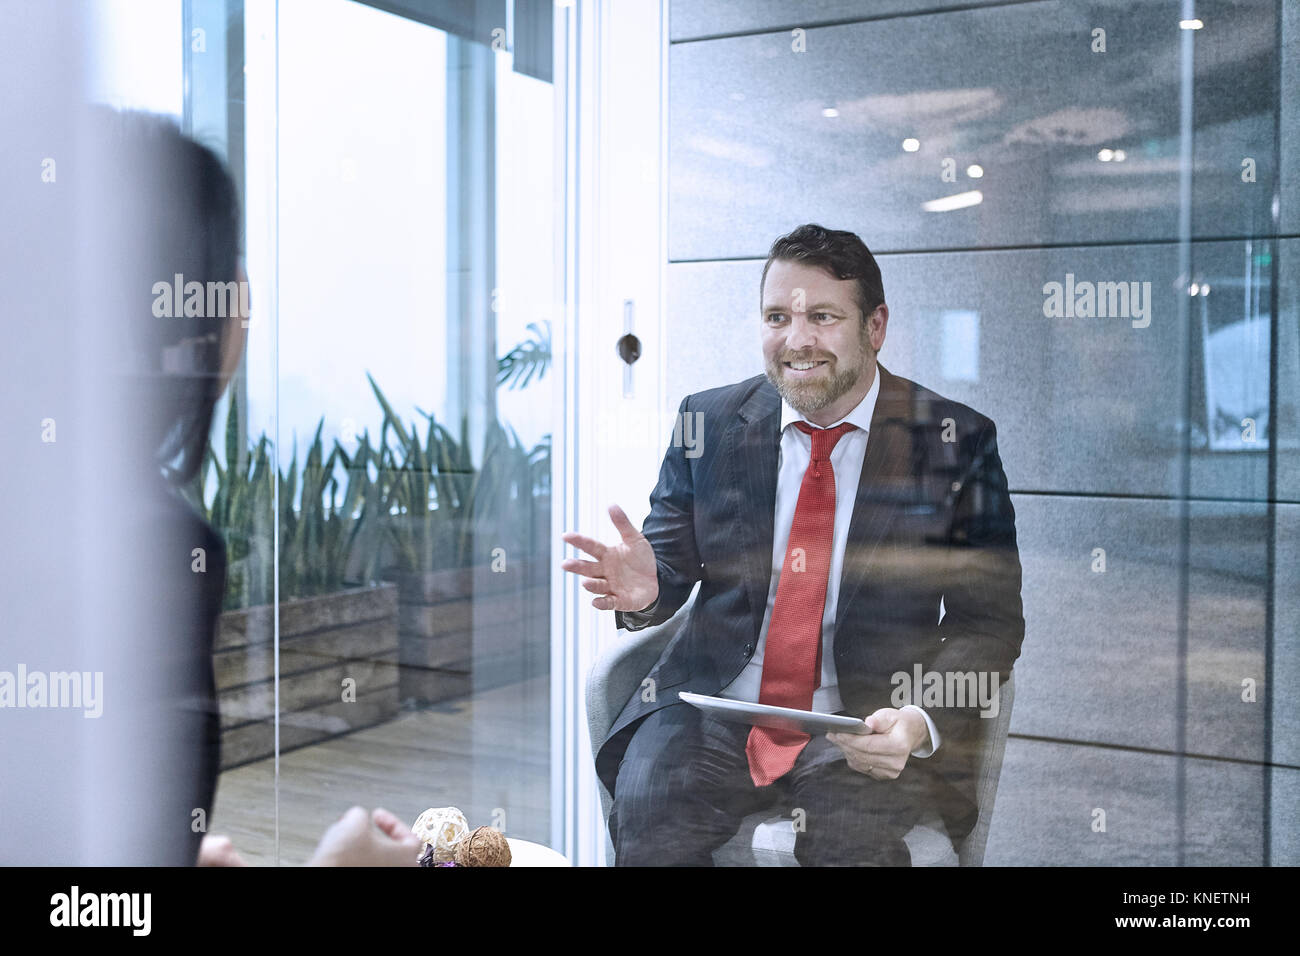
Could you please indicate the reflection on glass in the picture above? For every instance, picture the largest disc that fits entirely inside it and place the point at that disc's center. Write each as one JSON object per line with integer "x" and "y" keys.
{"x": 382, "y": 469}
{"x": 1235, "y": 343}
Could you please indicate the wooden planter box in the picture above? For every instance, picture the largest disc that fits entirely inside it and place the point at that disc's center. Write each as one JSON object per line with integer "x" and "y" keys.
{"x": 323, "y": 640}
{"x": 463, "y": 629}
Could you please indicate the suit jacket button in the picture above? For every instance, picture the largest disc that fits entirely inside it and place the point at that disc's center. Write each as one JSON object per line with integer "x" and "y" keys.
{"x": 749, "y": 649}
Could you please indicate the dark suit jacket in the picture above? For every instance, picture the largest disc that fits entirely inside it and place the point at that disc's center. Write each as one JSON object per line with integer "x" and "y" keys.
{"x": 933, "y": 519}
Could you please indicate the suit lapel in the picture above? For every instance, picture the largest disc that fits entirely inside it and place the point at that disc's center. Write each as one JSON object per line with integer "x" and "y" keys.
{"x": 752, "y": 456}
{"x": 886, "y": 482}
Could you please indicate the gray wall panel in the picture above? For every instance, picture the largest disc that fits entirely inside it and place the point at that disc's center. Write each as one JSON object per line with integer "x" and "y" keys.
{"x": 688, "y": 19}
{"x": 1287, "y": 425}
{"x": 1100, "y": 662}
{"x": 1097, "y": 663}
{"x": 711, "y": 326}
{"x": 1015, "y": 89}
{"x": 1049, "y": 793}
{"x": 1289, "y": 114}
{"x": 1284, "y": 810}
{"x": 1227, "y": 629}
{"x": 1082, "y": 405}
{"x": 1047, "y": 800}
{"x": 1225, "y": 817}
{"x": 1286, "y": 639}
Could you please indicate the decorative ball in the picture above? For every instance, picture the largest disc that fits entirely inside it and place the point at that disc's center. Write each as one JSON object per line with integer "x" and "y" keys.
{"x": 441, "y": 828}
{"x": 485, "y": 846}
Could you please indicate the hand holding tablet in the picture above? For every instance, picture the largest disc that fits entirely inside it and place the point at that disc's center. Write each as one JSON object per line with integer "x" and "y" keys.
{"x": 781, "y": 718}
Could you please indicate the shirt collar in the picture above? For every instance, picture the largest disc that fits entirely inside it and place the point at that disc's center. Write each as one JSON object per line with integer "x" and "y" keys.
{"x": 860, "y": 415}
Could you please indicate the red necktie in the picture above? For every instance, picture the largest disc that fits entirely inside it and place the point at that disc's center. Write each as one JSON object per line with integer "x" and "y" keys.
{"x": 792, "y": 658}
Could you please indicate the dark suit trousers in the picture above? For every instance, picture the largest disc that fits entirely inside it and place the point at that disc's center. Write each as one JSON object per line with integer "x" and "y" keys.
{"x": 683, "y": 789}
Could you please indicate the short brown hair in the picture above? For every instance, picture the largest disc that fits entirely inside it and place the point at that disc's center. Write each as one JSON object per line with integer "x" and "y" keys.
{"x": 841, "y": 253}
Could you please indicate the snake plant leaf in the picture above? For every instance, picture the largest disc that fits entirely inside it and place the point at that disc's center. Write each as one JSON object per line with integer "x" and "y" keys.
{"x": 358, "y": 476}
{"x": 411, "y": 504}
{"x": 389, "y": 414}
{"x": 233, "y": 435}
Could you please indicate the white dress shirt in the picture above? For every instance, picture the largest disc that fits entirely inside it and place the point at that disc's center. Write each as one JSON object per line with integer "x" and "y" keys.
{"x": 846, "y": 463}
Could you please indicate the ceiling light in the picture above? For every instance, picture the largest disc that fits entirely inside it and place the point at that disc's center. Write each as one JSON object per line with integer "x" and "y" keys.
{"x": 958, "y": 201}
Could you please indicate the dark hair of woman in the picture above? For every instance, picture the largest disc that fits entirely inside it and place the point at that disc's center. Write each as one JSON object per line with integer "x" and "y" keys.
{"x": 178, "y": 223}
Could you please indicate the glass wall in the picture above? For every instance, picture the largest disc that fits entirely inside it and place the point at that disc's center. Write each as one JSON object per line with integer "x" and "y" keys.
{"x": 1086, "y": 216}
{"x": 1000, "y": 160}
{"x": 380, "y": 466}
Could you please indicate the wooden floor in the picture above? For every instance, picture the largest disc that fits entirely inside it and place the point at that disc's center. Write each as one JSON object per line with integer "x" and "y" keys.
{"x": 488, "y": 754}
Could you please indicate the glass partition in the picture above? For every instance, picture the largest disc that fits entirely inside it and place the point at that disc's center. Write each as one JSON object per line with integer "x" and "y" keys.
{"x": 1083, "y": 216}
{"x": 380, "y": 464}
{"x": 1086, "y": 232}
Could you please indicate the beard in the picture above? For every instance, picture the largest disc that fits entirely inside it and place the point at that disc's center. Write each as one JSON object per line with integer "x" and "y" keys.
{"x": 815, "y": 394}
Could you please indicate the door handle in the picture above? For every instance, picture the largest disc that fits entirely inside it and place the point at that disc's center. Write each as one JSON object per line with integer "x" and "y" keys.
{"x": 628, "y": 346}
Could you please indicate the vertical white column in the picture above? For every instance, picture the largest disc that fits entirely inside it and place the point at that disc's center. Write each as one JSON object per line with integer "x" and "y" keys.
{"x": 613, "y": 82}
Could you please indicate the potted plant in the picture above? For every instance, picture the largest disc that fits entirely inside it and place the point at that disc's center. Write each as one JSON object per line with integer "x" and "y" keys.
{"x": 464, "y": 548}
{"x": 332, "y": 631}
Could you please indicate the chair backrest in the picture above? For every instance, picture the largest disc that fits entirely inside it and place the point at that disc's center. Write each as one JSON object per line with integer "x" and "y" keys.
{"x": 617, "y": 674}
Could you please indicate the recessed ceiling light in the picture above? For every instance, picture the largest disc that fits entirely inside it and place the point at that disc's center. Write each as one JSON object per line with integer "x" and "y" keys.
{"x": 958, "y": 201}
{"x": 830, "y": 112}
{"x": 911, "y": 145}
{"x": 974, "y": 171}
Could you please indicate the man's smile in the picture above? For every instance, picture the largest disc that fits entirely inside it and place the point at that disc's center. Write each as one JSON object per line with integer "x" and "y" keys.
{"x": 804, "y": 368}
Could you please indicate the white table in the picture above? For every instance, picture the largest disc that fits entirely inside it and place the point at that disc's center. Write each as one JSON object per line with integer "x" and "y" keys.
{"x": 527, "y": 853}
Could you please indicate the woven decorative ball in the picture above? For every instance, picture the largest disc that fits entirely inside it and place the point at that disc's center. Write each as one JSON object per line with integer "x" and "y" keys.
{"x": 485, "y": 846}
{"x": 441, "y": 828}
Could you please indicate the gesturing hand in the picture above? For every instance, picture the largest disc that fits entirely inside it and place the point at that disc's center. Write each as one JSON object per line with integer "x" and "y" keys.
{"x": 882, "y": 754}
{"x": 623, "y": 574}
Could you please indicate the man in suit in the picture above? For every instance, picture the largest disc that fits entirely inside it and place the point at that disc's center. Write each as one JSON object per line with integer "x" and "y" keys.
{"x": 848, "y": 529}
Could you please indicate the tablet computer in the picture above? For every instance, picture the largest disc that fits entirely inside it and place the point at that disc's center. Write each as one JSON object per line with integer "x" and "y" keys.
{"x": 781, "y": 718}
